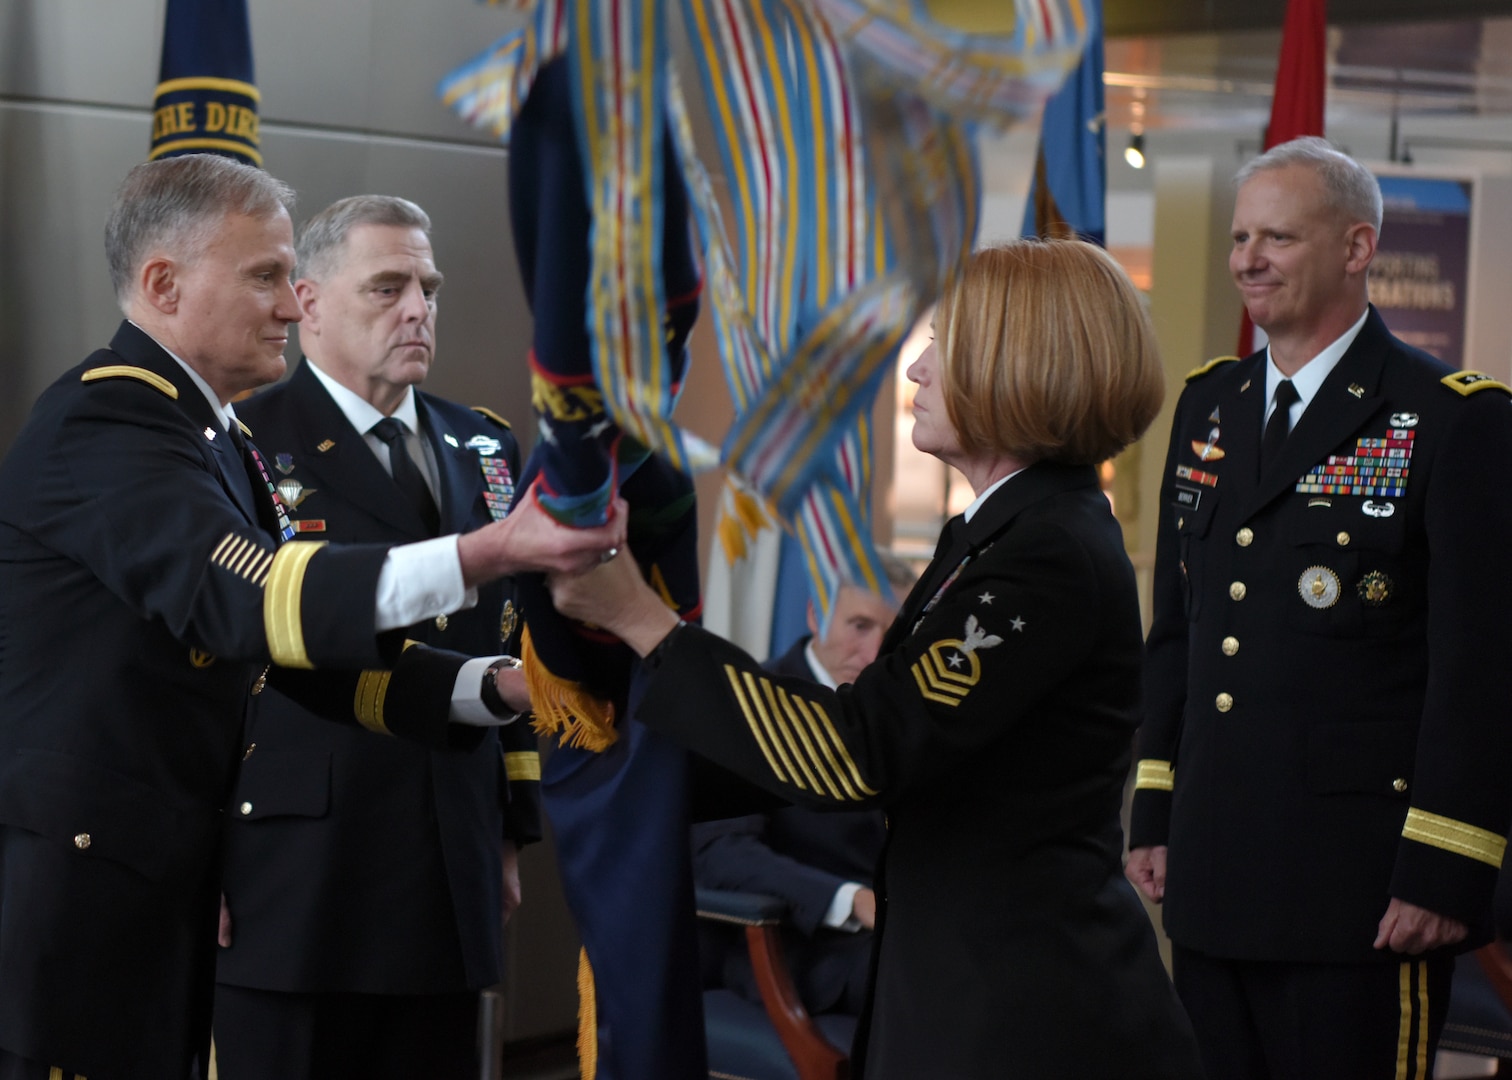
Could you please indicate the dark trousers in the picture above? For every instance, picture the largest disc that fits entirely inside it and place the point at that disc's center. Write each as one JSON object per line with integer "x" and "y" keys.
{"x": 1258, "y": 1020}
{"x": 267, "y": 1035}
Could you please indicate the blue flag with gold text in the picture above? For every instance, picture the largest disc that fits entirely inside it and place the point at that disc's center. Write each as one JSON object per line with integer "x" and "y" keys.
{"x": 206, "y": 98}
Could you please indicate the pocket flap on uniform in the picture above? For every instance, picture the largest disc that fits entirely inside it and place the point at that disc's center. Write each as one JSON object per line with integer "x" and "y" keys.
{"x": 1371, "y": 758}
{"x": 283, "y": 783}
{"x": 97, "y": 812}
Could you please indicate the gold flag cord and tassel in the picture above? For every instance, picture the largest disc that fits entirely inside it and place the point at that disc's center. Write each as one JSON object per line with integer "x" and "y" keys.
{"x": 563, "y": 708}
{"x": 587, "y": 1039}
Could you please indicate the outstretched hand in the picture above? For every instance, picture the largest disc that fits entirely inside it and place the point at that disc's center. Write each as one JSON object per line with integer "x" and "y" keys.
{"x": 530, "y": 539}
{"x": 615, "y": 597}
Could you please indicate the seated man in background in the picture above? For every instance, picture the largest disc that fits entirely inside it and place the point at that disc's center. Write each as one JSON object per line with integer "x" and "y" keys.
{"x": 820, "y": 863}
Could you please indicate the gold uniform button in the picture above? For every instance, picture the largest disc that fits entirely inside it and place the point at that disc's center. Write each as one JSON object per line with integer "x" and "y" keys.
{"x": 1238, "y": 591}
{"x": 1245, "y": 537}
{"x": 82, "y": 841}
{"x": 441, "y": 622}
{"x": 1399, "y": 785}
{"x": 1225, "y": 702}
{"x": 246, "y": 808}
{"x": 1343, "y": 539}
{"x": 1230, "y": 646}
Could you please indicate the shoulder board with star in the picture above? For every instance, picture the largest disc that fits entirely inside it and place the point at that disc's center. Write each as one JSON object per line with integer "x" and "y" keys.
{"x": 484, "y": 410}
{"x": 1473, "y": 382}
{"x": 127, "y": 371}
{"x": 1199, "y": 372}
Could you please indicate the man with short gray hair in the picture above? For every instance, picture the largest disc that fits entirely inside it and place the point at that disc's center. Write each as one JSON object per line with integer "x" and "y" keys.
{"x": 148, "y": 574}
{"x": 1321, "y": 798}
{"x": 359, "y": 932}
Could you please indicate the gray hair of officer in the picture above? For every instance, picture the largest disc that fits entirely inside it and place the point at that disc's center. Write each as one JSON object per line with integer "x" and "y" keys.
{"x": 1351, "y": 188}
{"x": 321, "y": 239}
{"x": 177, "y": 204}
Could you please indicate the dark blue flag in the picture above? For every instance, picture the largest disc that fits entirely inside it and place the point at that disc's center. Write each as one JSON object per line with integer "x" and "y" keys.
{"x": 206, "y": 100}
{"x": 1069, "y": 194}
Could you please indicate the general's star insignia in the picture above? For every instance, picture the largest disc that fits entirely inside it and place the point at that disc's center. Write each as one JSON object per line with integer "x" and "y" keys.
{"x": 986, "y": 598}
{"x": 1017, "y": 624}
{"x": 948, "y": 669}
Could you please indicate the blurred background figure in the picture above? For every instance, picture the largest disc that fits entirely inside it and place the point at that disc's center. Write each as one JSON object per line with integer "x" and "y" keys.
{"x": 822, "y": 864}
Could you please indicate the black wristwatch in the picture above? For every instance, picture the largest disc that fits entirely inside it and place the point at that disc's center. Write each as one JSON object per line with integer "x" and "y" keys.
{"x": 488, "y": 692}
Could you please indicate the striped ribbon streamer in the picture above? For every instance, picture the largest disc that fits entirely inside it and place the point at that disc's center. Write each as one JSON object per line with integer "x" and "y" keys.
{"x": 982, "y": 59}
{"x": 488, "y": 91}
{"x": 854, "y": 192}
{"x": 618, "y": 53}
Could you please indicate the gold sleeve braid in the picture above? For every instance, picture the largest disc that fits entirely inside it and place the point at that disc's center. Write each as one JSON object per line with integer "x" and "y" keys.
{"x": 797, "y": 738}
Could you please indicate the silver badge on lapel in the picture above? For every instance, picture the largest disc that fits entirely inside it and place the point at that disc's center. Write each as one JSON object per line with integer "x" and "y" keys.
{"x": 484, "y": 445}
{"x": 451, "y": 440}
{"x": 293, "y": 492}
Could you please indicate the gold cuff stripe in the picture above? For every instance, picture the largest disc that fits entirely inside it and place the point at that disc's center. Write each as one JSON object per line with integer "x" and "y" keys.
{"x": 522, "y": 765}
{"x": 126, "y": 371}
{"x": 180, "y": 145}
{"x": 1456, "y": 836}
{"x": 207, "y": 82}
{"x": 840, "y": 748}
{"x": 1154, "y": 775}
{"x": 789, "y": 735}
{"x": 800, "y": 728}
{"x": 745, "y": 707}
{"x": 367, "y": 702}
{"x": 754, "y": 694}
{"x": 281, "y": 616}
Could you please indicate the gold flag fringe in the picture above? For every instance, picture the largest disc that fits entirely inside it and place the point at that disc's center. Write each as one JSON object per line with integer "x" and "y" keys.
{"x": 565, "y": 709}
{"x": 587, "y": 1039}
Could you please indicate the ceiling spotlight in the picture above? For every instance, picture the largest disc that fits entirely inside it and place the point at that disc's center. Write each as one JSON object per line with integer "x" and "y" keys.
{"x": 1134, "y": 152}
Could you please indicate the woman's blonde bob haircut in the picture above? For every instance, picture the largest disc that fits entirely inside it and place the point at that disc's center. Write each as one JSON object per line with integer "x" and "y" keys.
{"x": 1046, "y": 354}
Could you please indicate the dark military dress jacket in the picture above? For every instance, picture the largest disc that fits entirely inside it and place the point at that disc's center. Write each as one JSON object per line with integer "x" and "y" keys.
{"x": 1327, "y": 685}
{"x": 995, "y": 727}
{"x": 144, "y": 584}
{"x": 362, "y": 864}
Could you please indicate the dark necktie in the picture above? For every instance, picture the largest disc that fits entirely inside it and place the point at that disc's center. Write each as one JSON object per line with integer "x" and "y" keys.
{"x": 407, "y": 475}
{"x": 1278, "y": 427}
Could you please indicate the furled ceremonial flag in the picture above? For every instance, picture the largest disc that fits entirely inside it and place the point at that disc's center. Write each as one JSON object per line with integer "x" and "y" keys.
{"x": 1297, "y": 104}
{"x": 206, "y": 99}
{"x": 843, "y": 127}
{"x": 1069, "y": 193}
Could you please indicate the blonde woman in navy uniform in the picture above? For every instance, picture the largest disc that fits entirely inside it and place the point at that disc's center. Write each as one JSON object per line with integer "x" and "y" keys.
{"x": 995, "y": 724}
{"x": 1322, "y": 798}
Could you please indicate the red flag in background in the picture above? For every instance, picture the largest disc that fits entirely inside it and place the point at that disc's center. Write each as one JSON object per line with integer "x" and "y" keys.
{"x": 1297, "y": 106}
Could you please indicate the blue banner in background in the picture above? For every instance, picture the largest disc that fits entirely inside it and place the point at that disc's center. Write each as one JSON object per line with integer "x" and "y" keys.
{"x": 1421, "y": 272}
{"x": 206, "y": 99}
